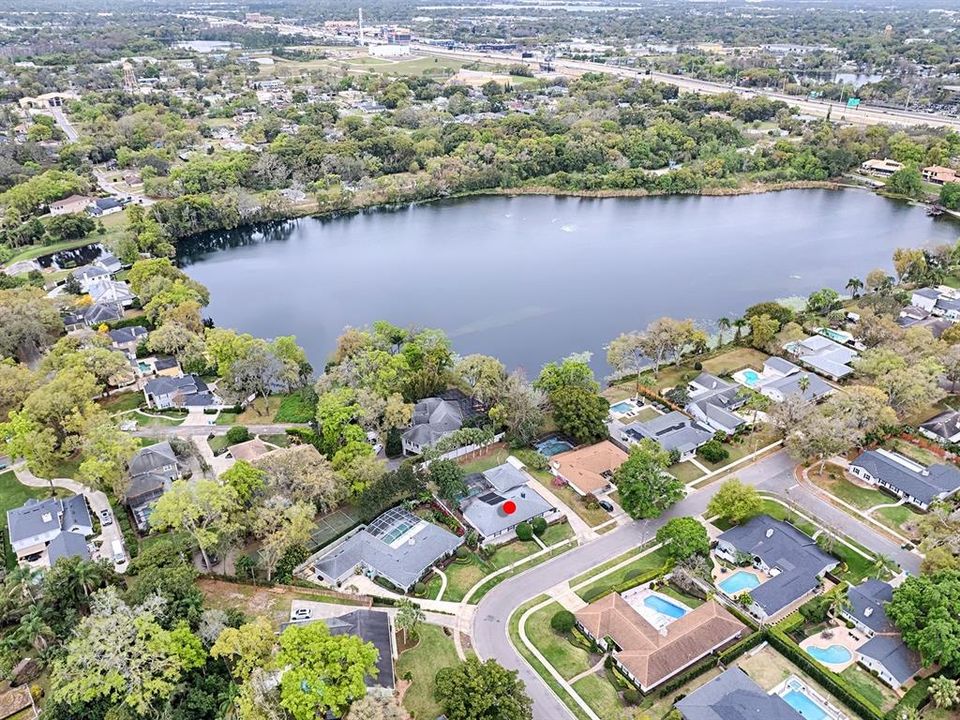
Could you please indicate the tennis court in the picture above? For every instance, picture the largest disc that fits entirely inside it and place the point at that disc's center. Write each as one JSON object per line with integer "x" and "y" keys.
{"x": 331, "y": 526}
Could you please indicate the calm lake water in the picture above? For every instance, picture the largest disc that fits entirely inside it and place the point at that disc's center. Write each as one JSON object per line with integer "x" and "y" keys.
{"x": 531, "y": 279}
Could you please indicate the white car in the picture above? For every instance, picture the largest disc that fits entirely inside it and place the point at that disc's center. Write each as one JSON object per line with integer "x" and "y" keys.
{"x": 302, "y": 613}
{"x": 106, "y": 519}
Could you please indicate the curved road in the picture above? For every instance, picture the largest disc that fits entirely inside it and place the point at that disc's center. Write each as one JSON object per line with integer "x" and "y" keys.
{"x": 864, "y": 115}
{"x": 773, "y": 474}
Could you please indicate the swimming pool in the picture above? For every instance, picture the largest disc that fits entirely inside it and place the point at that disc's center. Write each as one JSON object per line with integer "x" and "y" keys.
{"x": 625, "y": 406}
{"x": 738, "y": 582}
{"x": 552, "y": 446}
{"x": 751, "y": 377}
{"x": 806, "y": 706}
{"x": 832, "y": 655}
{"x": 664, "y": 606}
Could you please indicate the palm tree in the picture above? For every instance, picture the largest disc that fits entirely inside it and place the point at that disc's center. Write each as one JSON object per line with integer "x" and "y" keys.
{"x": 722, "y": 324}
{"x": 803, "y": 383}
{"x": 35, "y": 629}
{"x": 944, "y": 692}
{"x": 89, "y": 576}
{"x": 838, "y": 603}
{"x": 854, "y": 285}
{"x": 883, "y": 564}
{"x": 739, "y": 323}
{"x": 22, "y": 582}
{"x": 409, "y": 615}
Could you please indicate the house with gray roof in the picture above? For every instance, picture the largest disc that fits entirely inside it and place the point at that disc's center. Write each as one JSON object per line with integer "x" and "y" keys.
{"x": 105, "y": 290}
{"x": 732, "y": 695}
{"x": 673, "y": 431}
{"x": 823, "y": 355}
{"x": 372, "y": 626}
{"x": 163, "y": 393}
{"x": 36, "y": 528}
{"x": 127, "y": 339}
{"x": 781, "y": 379}
{"x": 88, "y": 274}
{"x": 891, "y": 660}
{"x": 397, "y": 546}
{"x": 434, "y": 418}
{"x": 918, "y": 485}
{"x": 152, "y": 471}
{"x": 488, "y": 493}
{"x": 97, "y": 314}
{"x": 714, "y": 403}
{"x": 791, "y": 563}
{"x": 944, "y": 428}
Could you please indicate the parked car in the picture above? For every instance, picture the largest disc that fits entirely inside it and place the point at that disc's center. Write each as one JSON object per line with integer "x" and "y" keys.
{"x": 106, "y": 518}
{"x": 606, "y": 505}
{"x": 302, "y": 613}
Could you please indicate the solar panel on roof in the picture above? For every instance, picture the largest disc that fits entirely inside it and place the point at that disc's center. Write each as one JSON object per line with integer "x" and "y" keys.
{"x": 491, "y": 498}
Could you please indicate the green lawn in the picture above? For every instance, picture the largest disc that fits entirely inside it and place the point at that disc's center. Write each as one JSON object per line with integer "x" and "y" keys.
{"x": 121, "y": 402}
{"x": 651, "y": 561}
{"x": 600, "y": 695}
{"x": 733, "y": 360}
{"x": 591, "y": 516}
{"x": 688, "y": 600}
{"x": 299, "y": 407}
{"x": 737, "y": 450}
{"x": 434, "y": 652}
{"x": 834, "y": 482}
{"x": 858, "y": 567}
{"x": 279, "y": 439}
{"x": 218, "y": 444}
{"x": 227, "y": 418}
{"x": 567, "y": 658}
{"x": 897, "y": 518}
{"x": 869, "y": 687}
{"x": 513, "y": 625}
{"x": 464, "y": 574}
{"x": 494, "y": 581}
{"x": 685, "y": 472}
{"x": 169, "y": 418}
{"x": 13, "y": 495}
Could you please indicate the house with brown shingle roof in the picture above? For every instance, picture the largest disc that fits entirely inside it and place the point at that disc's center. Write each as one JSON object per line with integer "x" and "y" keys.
{"x": 648, "y": 655}
{"x": 589, "y": 469}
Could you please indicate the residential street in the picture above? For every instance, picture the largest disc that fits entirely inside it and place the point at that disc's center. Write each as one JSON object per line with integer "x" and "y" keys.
{"x": 773, "y": 474}
{"x": 186, "y": 431}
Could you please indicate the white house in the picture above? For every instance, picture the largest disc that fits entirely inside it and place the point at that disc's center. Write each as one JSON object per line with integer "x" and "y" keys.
{"x": 42, "y": 531}
{"x": 918, "y": 485}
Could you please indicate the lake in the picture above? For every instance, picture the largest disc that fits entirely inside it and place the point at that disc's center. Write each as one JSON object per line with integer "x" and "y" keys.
{"x": 530, "y": 279}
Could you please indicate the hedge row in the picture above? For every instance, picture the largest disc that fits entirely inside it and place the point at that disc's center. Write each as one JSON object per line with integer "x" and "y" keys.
{"x": 735, "y": 651}
{"x": 595, "y": 593}
{"x": 832, "y": 682}
{"x": 680, "y": 680}
{"x": 916, "y": 697}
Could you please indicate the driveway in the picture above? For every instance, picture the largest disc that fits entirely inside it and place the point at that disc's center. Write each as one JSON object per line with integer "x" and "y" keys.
{"x": 97, "y": 501}
{"x": 772, "y": 474}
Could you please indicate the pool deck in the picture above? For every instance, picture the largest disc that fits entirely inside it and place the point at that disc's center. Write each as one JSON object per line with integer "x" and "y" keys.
{"x": 719, "y": 576}
{"x": 840, "y": 635}
{"x": 635, "y": 599}
{"x": 797, "y": 685}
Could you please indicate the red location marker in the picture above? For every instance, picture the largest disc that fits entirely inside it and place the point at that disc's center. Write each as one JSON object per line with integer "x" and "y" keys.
{"x": 509, "y": 507}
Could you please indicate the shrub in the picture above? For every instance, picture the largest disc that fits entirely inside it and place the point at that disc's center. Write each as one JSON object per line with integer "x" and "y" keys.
{"x": 562, "y": 621}
{"x": 539, "y": 526}
{"x": 714, "y": 452}
{"x": 832, "y": 682}
{"x": 462, "y": 552}
{"x": 524, "y": 531}
{"x": 632, "y": 696}
{"x": 394, "y": 444}
{"x": 237, "y": 434}
{"x": 419, "y": 589}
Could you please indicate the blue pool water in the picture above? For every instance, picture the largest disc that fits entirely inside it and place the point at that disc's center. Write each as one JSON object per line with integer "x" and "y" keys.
{"x": 738, "y": 582}
{"x": 553, "y": 446}
{"x": 752, "y": 377}
{"x": 805, "y": 706}
{"x": 833, "y": 655}
{"x": 623, "y": 407}
{"x": 655, "y": 602}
